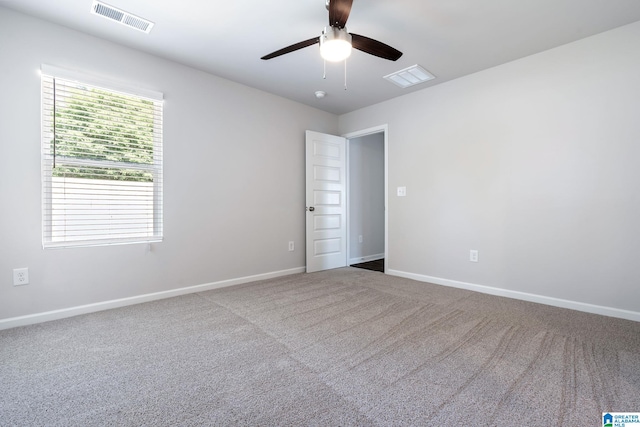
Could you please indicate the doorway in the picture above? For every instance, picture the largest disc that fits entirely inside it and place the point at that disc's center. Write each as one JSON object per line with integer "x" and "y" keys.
{"x": 367, "y": 199}
{"x": 328, "y": 201}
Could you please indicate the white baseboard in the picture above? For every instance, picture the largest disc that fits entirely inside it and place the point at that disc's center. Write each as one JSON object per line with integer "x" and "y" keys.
{"x": 366, "y": 258}
{"x": 106, "y": 305}
{"x": 556, "y": 302}
{"x": 91, "y": 308}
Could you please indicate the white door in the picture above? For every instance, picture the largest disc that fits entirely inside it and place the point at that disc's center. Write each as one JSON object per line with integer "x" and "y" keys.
{"x": 326, "y": 201}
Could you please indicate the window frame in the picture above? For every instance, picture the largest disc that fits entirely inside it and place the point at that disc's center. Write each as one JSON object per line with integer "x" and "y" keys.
{"x": 48, "y": 158}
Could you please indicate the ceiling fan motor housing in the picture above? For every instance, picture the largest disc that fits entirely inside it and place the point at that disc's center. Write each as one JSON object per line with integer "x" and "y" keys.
{"x": 335, "y": 44}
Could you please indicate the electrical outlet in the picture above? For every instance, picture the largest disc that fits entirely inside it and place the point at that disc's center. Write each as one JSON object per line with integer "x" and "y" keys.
{"x": 360, "y": 238}
{"x": 292, "y": 247}
{"x": 402, "y": 191}
{"x": 473, "y": 255}
{"x": 20, "y": 276}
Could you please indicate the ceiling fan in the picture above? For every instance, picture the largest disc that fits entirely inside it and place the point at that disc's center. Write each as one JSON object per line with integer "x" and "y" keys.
{"x": 336, "y": 42}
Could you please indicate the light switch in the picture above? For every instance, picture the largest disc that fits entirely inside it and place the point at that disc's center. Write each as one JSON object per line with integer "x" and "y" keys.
{"x": 402, "y": 191}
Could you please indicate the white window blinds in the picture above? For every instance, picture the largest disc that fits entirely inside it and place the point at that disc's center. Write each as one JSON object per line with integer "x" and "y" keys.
{"x": 101, "y": 164}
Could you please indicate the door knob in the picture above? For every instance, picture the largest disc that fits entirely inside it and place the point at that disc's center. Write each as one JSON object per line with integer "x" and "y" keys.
{"x": 311, "y": 209}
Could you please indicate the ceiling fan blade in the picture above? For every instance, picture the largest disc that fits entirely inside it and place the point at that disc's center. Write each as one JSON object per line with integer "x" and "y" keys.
{"x": 374, "y": 47}
{"x": 292, "y": 48}
{"x": 339, "y": 11}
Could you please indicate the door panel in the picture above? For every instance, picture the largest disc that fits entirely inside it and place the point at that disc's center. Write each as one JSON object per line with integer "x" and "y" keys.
{"x": 326, "y": 222}
{"x": 327, "y": 198}
{"x": 326, "y": 201}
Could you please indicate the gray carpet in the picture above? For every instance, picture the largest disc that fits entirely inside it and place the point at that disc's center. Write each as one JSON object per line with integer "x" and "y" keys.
{"x": 336, "y": 348}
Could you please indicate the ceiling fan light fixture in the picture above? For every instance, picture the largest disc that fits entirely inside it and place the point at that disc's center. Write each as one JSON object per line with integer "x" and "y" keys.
{"x": 335, "y": 44}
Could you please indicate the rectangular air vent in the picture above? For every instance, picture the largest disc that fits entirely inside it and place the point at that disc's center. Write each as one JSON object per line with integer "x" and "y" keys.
{"x": 118, "y": 15}
{"x": 410, "y": 76}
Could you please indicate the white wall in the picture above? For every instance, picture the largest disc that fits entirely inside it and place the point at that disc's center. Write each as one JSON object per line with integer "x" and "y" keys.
{"x": 366, "y": 197}
{"x": 234, "y": 176}
{"x": 535, "y": 163}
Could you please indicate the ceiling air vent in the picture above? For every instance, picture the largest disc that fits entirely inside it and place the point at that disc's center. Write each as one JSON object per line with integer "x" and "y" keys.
{"x": 118, "y": 15}
{"x": 410, "y": 76}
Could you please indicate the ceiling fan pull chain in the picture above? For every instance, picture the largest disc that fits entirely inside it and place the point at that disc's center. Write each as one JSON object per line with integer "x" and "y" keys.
{"x": 345, "y": 74}
{"x": 324, "y": 70}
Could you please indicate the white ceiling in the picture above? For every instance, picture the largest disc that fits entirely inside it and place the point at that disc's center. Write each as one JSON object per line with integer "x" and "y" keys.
{"x": 450, "y": 38}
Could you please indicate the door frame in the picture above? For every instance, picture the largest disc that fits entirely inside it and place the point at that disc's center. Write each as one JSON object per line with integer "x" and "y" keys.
{"x": 384, "y": 129}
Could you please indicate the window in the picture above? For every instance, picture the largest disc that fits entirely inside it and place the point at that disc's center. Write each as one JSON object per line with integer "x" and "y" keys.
{"x": 101, "y": 162}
